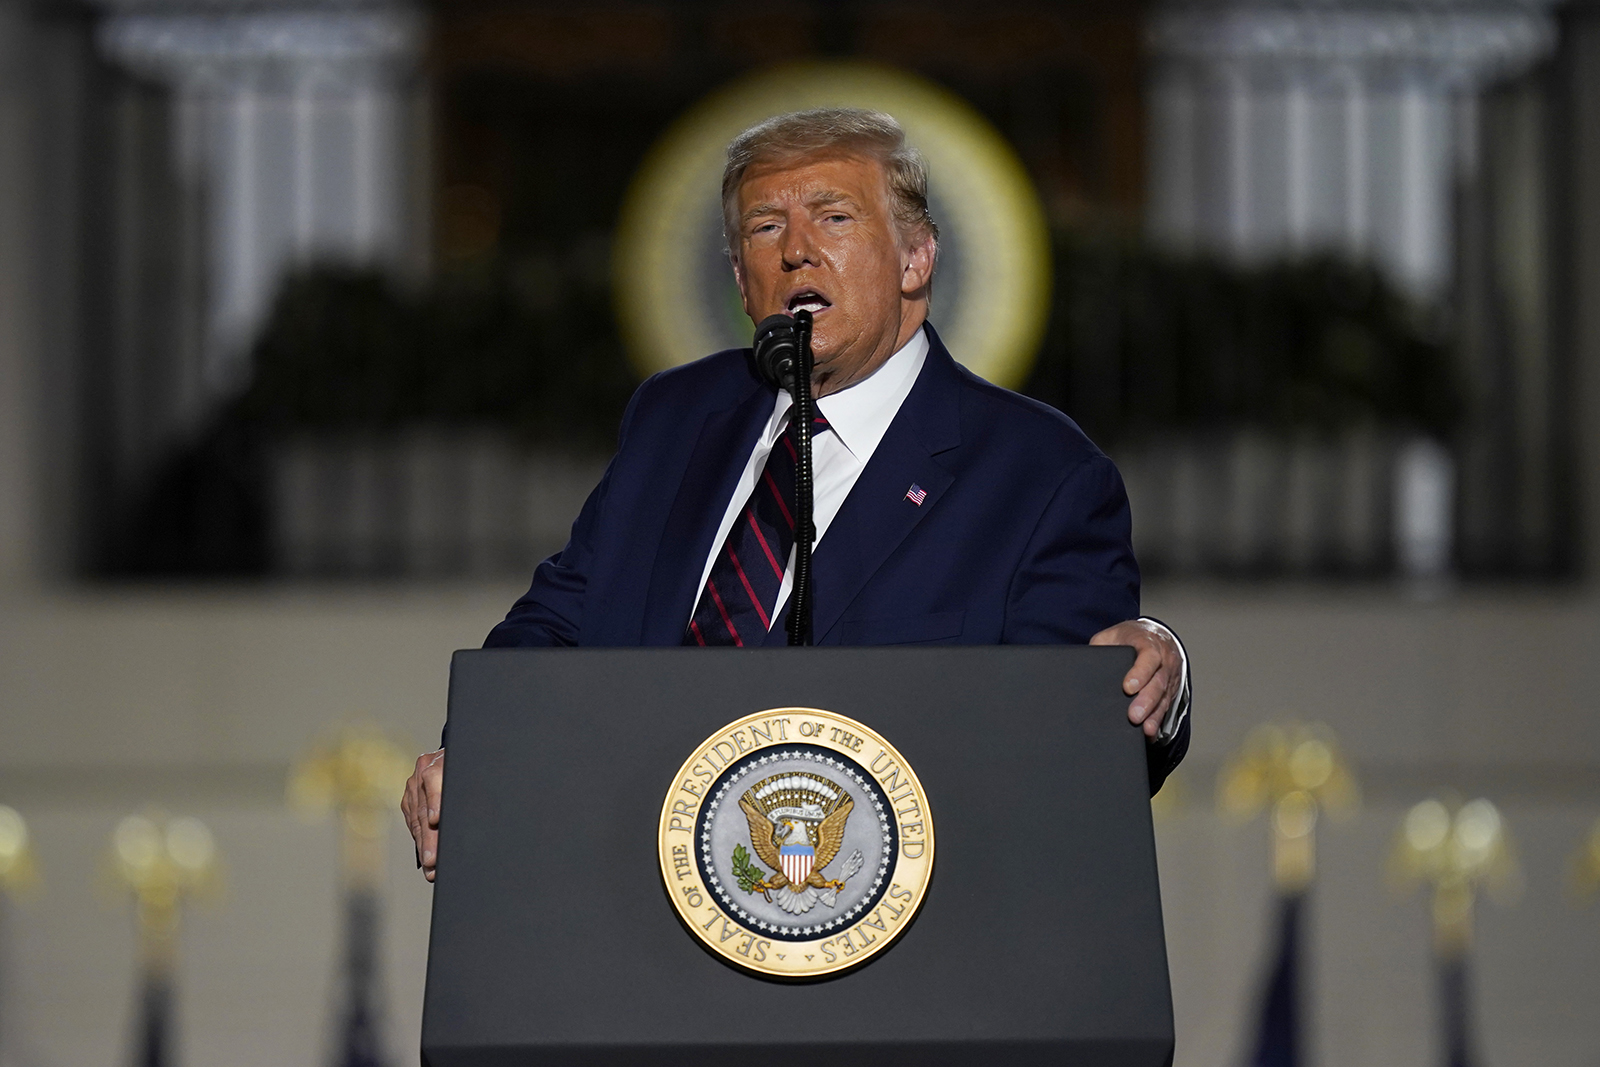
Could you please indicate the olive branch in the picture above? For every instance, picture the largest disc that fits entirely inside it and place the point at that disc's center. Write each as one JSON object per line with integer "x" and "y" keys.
{"x": 747, "y": 873}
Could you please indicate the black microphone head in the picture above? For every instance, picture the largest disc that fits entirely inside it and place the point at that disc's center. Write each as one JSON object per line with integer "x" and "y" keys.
{"x": 777, "y": 350}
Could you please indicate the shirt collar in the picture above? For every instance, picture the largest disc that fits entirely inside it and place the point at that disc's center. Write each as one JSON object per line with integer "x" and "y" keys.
{"x": 860, "y": 415}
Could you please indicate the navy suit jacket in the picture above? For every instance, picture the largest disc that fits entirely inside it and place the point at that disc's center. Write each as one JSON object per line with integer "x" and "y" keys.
{"x": 1023, "y": 537}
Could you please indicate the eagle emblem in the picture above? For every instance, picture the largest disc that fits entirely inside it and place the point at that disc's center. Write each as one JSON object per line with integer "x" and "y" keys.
{"x": 797, "y": 823}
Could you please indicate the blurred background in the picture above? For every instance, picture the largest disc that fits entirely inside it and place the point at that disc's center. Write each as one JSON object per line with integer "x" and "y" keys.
{"x": 313, "y": 338}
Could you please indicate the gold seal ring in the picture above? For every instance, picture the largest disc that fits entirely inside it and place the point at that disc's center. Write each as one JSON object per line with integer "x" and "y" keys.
{"x": 796, "y": 843}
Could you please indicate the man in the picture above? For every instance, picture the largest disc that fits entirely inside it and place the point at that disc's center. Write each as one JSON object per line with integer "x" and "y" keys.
{"x": 948, "y": 510}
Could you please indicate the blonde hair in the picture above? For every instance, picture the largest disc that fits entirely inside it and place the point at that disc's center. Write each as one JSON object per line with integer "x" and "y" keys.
{"x": 838, "y": 129}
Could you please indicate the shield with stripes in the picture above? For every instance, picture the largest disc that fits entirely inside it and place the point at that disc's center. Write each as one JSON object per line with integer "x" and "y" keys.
{"x": 796, "y": 861}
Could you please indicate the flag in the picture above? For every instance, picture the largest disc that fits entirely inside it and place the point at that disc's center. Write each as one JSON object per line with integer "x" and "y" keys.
{"x": 153, "y": 1040}
{"x": 1455, "y": 1010}
{"x": 1279, "y": 1041}
{"x": 359, "y": 1045}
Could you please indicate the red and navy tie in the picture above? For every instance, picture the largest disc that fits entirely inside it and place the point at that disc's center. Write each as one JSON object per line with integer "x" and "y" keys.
{"x": 741, "y": 592}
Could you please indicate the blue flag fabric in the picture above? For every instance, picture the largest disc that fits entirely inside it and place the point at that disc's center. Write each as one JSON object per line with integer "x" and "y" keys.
{"x": 154, "y": 1036}
{"x": 1455, "y": 1011}
{"x": 359, "y": 1043}
{"x": 1279, "y": 1040}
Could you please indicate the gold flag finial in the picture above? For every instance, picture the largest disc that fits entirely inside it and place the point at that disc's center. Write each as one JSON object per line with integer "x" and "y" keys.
{"x": 1292, "y": 772}
{"x": 358, "y": 772}
{"x": 1456, "y": 848}
{"x": 164, "y": 862}
{"x": 1583, "y": 871}
{"x": 19, "y": 873}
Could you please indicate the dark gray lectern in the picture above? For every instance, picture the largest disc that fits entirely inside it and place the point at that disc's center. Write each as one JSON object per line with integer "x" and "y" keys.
{"x": 553, "y": 942}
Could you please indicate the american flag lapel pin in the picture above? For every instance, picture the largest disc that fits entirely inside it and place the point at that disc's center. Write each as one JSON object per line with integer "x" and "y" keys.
{"x": 916, "y": 494}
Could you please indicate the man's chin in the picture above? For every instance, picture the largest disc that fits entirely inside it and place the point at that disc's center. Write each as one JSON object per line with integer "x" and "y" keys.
{"x": 832, "y": 375}
{"x": 826, "y": 362}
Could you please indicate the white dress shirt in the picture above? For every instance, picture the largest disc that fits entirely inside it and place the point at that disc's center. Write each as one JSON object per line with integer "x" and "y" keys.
{"x": 858, "y": 417}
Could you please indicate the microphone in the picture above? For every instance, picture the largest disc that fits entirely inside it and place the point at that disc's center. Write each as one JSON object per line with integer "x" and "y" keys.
{"x": 777, "y": 348}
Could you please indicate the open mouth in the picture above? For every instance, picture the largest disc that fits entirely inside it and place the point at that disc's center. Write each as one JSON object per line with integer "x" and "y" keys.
{"x": 808, "y": 300}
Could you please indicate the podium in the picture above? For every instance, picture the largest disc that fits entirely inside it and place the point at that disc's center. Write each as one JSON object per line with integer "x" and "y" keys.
{"x": 1039, "y": 940}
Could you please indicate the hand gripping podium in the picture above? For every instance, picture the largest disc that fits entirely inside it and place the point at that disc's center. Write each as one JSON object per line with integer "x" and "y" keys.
{"x": 1036, "y": 938}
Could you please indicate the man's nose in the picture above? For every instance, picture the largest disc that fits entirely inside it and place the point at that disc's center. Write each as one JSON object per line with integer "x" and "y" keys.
{"x": 799, "y": 247}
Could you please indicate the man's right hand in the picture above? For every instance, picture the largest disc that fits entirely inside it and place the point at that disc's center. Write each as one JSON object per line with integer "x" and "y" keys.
{"x": 420, "y": 805}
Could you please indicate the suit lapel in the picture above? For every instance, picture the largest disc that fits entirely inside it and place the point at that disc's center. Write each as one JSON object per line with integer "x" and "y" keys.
{"x": 878, "y": 515}
{"x": 720, "y": 453}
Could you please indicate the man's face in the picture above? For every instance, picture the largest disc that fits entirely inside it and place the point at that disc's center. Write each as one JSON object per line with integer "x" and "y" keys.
{"x": 818, "y": 234}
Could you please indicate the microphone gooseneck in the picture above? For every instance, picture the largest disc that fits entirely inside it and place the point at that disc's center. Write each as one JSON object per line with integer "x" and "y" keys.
{"x": 800, "y": 596}
{"x": 783, "y": 360}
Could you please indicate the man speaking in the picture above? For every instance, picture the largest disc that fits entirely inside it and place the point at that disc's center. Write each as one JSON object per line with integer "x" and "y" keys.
{"x": 947, "y": 510}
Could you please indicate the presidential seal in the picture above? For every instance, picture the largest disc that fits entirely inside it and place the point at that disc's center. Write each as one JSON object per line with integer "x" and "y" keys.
{"x": 796, "y": 843}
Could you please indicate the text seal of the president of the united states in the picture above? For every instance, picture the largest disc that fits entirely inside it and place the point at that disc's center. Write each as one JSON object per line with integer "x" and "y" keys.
{"x": 796, "y": 842}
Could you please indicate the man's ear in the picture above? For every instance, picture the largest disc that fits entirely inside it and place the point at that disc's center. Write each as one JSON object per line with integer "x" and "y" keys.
{"x": 919, "y": 257}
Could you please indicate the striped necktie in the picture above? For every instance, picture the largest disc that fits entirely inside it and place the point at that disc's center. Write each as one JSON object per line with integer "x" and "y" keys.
{"x": 741, "y": 591}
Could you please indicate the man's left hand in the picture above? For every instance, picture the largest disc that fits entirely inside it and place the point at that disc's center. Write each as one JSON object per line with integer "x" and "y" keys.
{"x": 1157, "y": 674}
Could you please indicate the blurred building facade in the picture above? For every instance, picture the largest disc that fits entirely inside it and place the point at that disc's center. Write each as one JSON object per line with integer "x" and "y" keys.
{"x": 466, "y": 165}
{"x": 1282, "y": 129}
{"x": 1417, "y": 137}
{"x": 287, "y": 130}
{"x": 164, "y": 166}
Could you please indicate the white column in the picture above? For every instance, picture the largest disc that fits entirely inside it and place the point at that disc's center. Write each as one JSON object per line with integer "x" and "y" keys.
{"x": 236, "y": 245}
{"x": 304, "y": 162}
{"x": 1422, "y": 252}
{"x": 1298, "y": 119}
{"x": 1240, "y": 131}
{"x": 1357, "y": 175}
{"x": 364, "y": 179}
